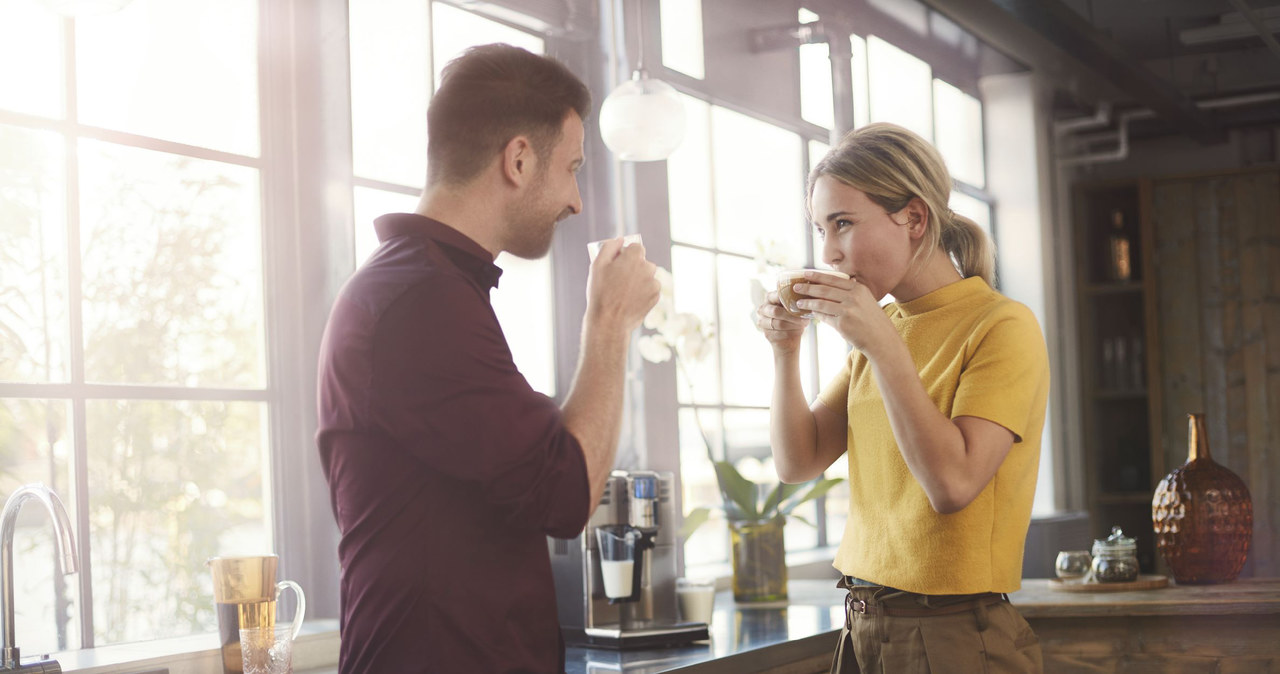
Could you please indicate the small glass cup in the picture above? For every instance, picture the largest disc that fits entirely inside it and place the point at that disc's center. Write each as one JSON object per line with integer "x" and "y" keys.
{"x": 1072, "y": 565}
{"x": 267, "y": 650}
{"x": 787, "y": 294}
{"x": 697, "y": 598}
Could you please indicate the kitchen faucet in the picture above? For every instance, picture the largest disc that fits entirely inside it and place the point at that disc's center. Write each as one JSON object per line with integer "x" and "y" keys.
{"x": 67, "y": 556}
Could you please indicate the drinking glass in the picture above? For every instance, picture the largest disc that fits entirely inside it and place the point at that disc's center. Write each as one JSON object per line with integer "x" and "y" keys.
{"x": 1072, "y": 565}
{"x": 267, "y": 650}
{"x": 697, "y": 598}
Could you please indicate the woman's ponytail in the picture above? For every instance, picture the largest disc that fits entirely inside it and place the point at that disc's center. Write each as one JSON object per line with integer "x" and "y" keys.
{"x": 969, "y": 247}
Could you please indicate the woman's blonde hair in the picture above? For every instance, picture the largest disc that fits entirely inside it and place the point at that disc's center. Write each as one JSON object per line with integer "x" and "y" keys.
{"x": 892, "y": 166}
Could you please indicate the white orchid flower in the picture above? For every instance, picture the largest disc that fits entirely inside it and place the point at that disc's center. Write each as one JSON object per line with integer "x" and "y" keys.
{"x": 697, "y": 346}
{"x": 654, "y": 348}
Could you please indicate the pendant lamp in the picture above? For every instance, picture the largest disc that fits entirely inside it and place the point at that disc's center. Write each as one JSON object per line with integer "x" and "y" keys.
{"x": 643, "y": 118}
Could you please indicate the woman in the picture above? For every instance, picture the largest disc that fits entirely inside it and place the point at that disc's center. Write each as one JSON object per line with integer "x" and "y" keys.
{"x": 940, "y": 408}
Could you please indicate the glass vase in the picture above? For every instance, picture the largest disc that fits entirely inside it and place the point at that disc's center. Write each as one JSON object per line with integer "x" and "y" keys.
{"x": 1203, "y": 515}
{"x": 759, "y": 560}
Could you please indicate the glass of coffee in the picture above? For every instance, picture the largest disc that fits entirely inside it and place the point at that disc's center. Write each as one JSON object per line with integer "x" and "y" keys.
{"x": 787, "y": 281}
{"x": 245, "y": 593}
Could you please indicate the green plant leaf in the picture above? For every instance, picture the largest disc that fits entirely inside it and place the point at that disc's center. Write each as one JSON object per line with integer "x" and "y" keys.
{"x": 797, "y": 517}
{"x": 820, "y": 488}
{"x": 737, "y": 490}
{"x": 779, "y": 494}
{"x": 692, "y": 521}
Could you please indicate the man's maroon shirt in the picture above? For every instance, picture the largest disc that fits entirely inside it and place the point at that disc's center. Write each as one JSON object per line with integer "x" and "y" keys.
{"x": 446, "y": 470}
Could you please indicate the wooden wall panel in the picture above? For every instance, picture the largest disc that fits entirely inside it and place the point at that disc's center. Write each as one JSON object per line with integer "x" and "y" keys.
{"x": 1175, "y": 249}
{"x": 1234, "y": 213}
{"x": 1213, "y": 371}
{"x": 1217, "y": 243}
{"x": 1264, "y": 429}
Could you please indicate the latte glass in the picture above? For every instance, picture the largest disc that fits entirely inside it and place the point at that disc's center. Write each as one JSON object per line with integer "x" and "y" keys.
{"x": 786, "y": 287}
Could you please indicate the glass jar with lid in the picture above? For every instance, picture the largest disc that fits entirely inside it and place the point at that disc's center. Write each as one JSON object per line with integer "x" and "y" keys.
{"x": 1115, "y": 558}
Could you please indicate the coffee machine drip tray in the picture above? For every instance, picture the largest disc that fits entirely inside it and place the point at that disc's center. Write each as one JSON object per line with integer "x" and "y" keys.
{"x": 607, "y": 636}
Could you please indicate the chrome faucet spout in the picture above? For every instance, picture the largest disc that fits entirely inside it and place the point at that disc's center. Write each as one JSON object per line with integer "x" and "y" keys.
{"x": 63, "y": 538}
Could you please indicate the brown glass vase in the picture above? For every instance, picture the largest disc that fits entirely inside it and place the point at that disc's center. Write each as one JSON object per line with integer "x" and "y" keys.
{"x": 1203, "y": 515}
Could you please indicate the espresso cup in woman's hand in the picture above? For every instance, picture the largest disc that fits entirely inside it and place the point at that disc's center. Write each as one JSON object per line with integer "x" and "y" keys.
{"x": 787, "y": 294}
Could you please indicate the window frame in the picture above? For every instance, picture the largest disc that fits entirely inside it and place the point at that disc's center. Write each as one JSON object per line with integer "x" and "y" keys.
{"x": 76, "y": 392}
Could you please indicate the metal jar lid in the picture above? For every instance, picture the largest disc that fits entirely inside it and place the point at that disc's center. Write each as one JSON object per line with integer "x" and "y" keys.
{"x": 1116, "y": 543}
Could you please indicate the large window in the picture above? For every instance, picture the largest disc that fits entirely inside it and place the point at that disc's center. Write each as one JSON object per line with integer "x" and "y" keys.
{"x": 134, "y": 377}
{"x": 391, "y": 43}
{"x": 721, "y": 233}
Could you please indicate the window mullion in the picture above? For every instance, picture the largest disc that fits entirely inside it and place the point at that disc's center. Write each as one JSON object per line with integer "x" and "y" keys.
{"x": 75, "y": 289}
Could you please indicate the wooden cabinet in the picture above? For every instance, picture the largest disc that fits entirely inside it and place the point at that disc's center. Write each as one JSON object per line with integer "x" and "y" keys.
{"x": 1118, "y": 340}
{"x": 1188, "y": 628}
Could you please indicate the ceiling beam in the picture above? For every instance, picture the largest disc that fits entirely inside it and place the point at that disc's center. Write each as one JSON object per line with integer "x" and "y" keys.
{"x": 1067, "y": 31}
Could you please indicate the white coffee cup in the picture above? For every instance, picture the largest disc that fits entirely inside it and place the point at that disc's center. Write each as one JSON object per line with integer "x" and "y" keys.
{"x": 593, "y": 248}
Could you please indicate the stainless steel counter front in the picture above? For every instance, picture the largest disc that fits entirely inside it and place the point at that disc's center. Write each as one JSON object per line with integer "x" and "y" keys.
{"x": 744, "y": 637}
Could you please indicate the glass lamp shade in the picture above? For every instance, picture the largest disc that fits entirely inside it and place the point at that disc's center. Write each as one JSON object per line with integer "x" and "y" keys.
{"x": 642, "y": 120}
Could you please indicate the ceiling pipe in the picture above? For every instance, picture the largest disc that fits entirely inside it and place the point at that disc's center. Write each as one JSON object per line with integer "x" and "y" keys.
{"x": 1120, "y": 136}
{"x": 1100, "y": 118}
{"x": 1121, "y": 151}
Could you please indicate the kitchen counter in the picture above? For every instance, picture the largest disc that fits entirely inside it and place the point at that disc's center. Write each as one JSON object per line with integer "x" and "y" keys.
{"x": 1228, "y": 627}
{"x": 798, "y": 634}
{"x": 1200, "y": 628}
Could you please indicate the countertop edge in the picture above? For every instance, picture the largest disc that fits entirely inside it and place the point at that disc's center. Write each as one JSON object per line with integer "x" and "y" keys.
{"x": 767, "y": 658}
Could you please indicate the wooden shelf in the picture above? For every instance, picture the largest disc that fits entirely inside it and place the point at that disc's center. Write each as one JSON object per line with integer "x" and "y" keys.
{"x": 1114, "y": 288}
{"x": 1119, "y": 345}
{"x": 1125, "y": 497}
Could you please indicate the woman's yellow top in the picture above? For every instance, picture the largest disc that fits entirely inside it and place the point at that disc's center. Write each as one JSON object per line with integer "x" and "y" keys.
{"x": 979, "y": 354}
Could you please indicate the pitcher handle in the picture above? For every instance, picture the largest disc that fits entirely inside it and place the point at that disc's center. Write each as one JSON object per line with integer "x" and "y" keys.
{"x": 302, "y": 605}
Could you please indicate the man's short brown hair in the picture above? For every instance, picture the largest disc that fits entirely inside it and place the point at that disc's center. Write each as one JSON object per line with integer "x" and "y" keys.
{"x": 491, "y": 94}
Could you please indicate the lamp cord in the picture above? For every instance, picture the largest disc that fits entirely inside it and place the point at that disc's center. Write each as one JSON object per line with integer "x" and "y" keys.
{"x": 640, "y": 35}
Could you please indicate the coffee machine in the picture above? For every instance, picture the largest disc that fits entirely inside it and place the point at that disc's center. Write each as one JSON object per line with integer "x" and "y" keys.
{"x": 636, "y": 507}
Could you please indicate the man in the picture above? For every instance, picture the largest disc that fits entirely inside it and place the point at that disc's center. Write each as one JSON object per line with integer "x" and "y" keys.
{"x": 446, "y": 470}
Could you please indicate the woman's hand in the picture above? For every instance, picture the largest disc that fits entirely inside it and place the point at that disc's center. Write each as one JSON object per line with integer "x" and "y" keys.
{"x": 850, "y": 308}
{"x": 783, "y": 329}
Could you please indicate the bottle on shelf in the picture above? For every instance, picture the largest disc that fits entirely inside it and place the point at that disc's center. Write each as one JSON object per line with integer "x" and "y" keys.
{"x": 1137, "y": 380}
{"x": 1119, "y": 258}
{"x": 1108, "y": 364}
{"x": 1120, "y": 373}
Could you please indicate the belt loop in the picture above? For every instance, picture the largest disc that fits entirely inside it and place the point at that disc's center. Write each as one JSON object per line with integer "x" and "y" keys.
{"x": 980, "y": 614}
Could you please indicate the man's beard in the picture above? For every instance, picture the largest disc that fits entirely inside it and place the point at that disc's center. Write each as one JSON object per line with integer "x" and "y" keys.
{"x": 531, "y": 226}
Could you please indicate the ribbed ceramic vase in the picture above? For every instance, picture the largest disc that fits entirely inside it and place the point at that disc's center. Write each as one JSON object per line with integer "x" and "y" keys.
{"x": 1203, "y": 515}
